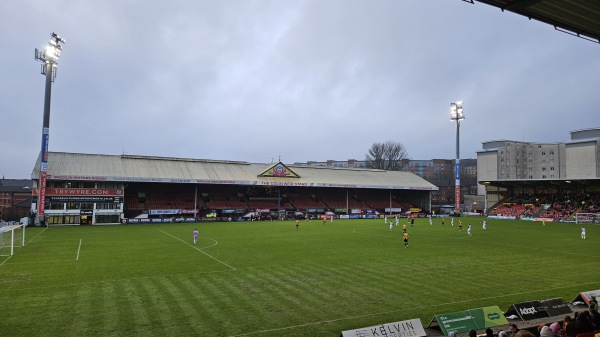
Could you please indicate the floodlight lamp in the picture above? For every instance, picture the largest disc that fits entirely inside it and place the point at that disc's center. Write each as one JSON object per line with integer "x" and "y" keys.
{"x": 51, "y": 53}
{"x": 456, "y": 111}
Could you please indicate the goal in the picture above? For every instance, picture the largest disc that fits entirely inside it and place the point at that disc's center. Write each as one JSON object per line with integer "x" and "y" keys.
{"x": 593, "y": 218}
{"x": 12, "y": 235}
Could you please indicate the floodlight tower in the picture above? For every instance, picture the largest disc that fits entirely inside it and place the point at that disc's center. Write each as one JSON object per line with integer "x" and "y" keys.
{"x": 49, "y": 58}
{"x": 456, "y": 114}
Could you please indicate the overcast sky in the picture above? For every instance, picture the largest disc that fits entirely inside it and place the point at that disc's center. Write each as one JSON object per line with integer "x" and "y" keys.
{"x": 304, "y": 80}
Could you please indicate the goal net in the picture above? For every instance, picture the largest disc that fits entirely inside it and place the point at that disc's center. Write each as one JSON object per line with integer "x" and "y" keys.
{"x": 593, "y": 218}
{"x": 12, "y": 235}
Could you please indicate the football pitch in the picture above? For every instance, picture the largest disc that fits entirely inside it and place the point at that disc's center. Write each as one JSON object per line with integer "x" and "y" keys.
{"x": 269, "y": 279}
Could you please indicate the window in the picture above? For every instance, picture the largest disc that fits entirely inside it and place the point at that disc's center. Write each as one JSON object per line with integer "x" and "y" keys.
{"x": 55, "y": 205}
{"x": 112, "y": 218}
{"x": 107, "y": 206}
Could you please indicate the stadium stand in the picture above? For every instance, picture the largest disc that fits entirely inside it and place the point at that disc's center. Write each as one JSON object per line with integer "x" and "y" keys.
{"x": 304, "y": 199}
{"x": 559, "y": 207}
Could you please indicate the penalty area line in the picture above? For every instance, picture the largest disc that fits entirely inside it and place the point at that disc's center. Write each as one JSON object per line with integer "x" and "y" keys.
{"x": 198, "y": 249}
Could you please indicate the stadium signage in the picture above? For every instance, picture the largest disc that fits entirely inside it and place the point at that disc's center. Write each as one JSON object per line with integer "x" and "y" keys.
{"x": 528, "y": 310}
{"x": 164, "y": 211}
{"x": 61, "y": 177}
{"x": 502, "y": 217}
{"x": 462, "y": 321}
{"x": 82, "y": 191}
{"x": 42, "y": 194}
{"x": 219, "y": 182}
{"x": 556, "y": 307}
{"x": 488, "y": 317}
{"x": 458, "y": 322}
{"x": 181, "y": 180}
{"x": 409, "y": 328}
{"x": 281, "y": 183}
{"x": 586, "y": 296}
{"x": 69, "y": 198}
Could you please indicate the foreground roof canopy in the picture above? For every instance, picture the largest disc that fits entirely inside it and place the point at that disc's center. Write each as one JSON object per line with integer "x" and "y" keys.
{"x": 576, "y": 17}
{"x": 130, "y": 168}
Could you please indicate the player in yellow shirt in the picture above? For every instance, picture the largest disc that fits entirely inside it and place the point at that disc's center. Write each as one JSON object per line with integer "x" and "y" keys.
{"x": 405, "y": 237}
{"x": 297, "y": 223}
{"x": 404, "y": 228}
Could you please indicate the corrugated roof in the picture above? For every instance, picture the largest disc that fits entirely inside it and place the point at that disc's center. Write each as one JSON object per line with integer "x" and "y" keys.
{"x": 79, "y": 166}
{"x": 576, "y": 17}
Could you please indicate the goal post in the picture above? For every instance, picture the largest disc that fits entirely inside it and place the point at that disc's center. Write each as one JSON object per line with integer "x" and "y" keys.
{"x": 591, "y": 218}
{"x": 12, "y": 235}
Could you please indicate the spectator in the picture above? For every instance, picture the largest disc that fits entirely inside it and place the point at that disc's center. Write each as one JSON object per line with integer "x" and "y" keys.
{"x": 593, "y": 302}
{"x": 489, "y": 332}
{"x": 545, "y": 331}
{"x": 594, "y": 318}
{"x": 569, "y": 327}
{"x": 502, "y": 333}
{"x": 472, "y": 333}
{"x": 556, "y": 329}
{"x": 512, "y": 330}
{"x": 524, "y": 333}
{"x": 582, "y": 323}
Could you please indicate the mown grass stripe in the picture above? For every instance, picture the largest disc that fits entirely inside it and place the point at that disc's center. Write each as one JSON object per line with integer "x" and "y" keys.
{"x": 179, "y": 304}
{"x": 157, "y": 309}
{"x": 200, "y": 301}
{"x": 143, "y": 322}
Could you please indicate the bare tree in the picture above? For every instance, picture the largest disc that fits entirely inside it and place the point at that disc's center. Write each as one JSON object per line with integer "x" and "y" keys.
{"x": 386, "y": 156}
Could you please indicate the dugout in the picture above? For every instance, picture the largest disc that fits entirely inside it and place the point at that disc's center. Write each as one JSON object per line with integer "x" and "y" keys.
{"x": 90, "y": 189}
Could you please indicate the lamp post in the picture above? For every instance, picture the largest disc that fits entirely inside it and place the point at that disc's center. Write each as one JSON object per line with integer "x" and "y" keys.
{"x": 456, "y": 114}
{"x": 49, "y": 58}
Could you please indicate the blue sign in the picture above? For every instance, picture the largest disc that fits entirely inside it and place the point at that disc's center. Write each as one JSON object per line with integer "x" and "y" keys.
{"x": 457, "y": 170}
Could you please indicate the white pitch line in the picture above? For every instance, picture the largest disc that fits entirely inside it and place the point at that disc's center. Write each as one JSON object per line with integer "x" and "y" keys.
{"x": 401, "y": 310}
{"x": 198, "y": 249}
{"x": 78, "y": 250}
{"x": 43, "y": 230}
{"x": 3, "y": 262}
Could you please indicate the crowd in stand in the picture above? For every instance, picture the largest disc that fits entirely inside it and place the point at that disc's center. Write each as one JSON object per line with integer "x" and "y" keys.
{"x": 557, "y": 206}
{"x": 585, "y": 323}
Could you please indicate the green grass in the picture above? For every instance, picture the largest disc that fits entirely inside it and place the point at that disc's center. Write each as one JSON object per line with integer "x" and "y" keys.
{"x": 267, "y": 279}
